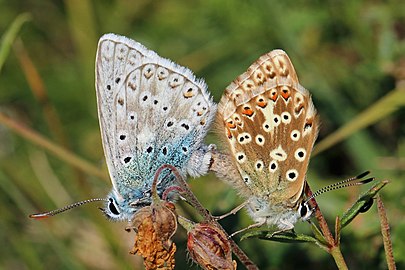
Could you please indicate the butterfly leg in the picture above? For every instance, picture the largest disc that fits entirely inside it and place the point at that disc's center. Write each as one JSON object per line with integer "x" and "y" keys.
{"x": 255, "y": 225}
{"x": 289, "y": 227}
{"x": 232, "y": 212}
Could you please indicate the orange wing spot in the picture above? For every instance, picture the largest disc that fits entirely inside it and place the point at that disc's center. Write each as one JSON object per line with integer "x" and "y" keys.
{"x": 199, "y": 113}
{"x": 247, "y": 111}
{"x": 189, "y": 93}
{"x": 228, "y": 133}
{"x": 273, "y": 95}
{"x": 261, "y": 103}
{"x": 202, "y": 122}
{"x": 231, "y": 124}
{"x": 285, "y": 93}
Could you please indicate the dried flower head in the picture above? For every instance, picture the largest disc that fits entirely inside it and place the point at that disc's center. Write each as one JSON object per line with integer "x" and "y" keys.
{"x": 155, "y": 225}
{"x": 209, "y": 247}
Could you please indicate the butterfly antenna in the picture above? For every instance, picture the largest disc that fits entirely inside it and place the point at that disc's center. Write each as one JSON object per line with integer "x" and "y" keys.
{"x": 63, "y": 209}
{"x": 352, "y": 181}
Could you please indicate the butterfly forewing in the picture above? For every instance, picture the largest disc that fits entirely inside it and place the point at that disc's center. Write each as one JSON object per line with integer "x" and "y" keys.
{"x": 151, "y": 111}
{"x": 270, "y": 125}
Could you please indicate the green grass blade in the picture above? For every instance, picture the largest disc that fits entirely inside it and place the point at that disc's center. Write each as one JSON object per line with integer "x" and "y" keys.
{"x": 10, "y": 35}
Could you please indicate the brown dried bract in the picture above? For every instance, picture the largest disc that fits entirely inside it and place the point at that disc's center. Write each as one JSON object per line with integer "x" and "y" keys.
{"x": 210, "y": 248}
{"x": 155, "y": 225}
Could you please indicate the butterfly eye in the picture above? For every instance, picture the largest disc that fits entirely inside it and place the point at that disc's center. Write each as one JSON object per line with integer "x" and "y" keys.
{"x": 304, "y": 211}
{"x": 113, "y": 209}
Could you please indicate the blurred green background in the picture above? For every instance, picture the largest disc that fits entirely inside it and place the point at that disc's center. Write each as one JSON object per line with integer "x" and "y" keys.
{"x": 350, "y": 55}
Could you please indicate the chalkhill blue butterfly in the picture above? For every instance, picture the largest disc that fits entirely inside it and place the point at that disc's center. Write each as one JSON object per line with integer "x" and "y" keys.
{"x": 270, "y": 124}
{"x": 152, "y": 112}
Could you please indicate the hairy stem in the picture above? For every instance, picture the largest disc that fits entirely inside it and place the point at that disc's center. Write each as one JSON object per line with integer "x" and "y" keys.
{"x": 385, "y": 231}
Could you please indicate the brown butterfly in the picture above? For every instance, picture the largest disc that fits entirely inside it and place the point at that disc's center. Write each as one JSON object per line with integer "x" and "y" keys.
{"x": 270, "y": 125}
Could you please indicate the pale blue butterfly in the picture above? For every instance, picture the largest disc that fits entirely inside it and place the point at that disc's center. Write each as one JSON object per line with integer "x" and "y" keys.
{"x": 152, "y": 112}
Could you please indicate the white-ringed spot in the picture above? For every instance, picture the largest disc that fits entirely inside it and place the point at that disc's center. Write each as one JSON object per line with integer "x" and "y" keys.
{"x": 286, "y": 117}
{"x": 273, "y": 166}
{"x": 278, "y": 154}
{"x": 244, "y": 138}
{"x": 162, "y": 73}
{"x": 259, "y": 165}
{"x": 260, "y": 139}
{"x": 300, "y": 154}
{"x": 291, "y": 175}
{"x": 148, "y": 71}
{"x": 246, "y": 179}
{"x": 175, "y": 80}
{"x": 240, "y": 157}
{"x": 267, "y": 126}
{"x": 295, "y": 135}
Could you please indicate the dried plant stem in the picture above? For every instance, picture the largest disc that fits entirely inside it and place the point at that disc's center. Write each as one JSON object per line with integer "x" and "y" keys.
{"x": 333, "y": 245}
{"x": 385, "y": 231}
{"x": 192, "y": 199}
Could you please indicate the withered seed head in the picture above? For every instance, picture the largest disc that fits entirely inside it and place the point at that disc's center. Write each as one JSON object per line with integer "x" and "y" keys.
{"x": 210, "y": 247}
{"x": 155, "y": 225}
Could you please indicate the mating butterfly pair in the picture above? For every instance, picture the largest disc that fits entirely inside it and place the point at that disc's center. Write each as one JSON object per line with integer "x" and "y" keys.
{"x": 154, "y": 112}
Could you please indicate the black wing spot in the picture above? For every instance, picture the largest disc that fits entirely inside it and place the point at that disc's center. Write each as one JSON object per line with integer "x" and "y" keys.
{"x": 108, "y": 87}
{"x": 169, "y": 124}
{"x": 164, "y": 151}
{"x": 291, "y": 175}
{"x": 165, "y": 108}
{"x": 149, "y": 149}
{"x": 155, "y": 102}
{"x": 185, "y": 126}
{"x": 127, "y": 159}
{"x": 307, "y": 125}
{"x": 122, "y": 137}
{"x": 117, "y": 80}
{"x": 184, "y": 149}
{"x": 145, "y": 98}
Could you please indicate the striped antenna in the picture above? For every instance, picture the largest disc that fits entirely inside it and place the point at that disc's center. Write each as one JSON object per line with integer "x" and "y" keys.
{"x": 63, "y": 209}
{"x": 352, "y": 181}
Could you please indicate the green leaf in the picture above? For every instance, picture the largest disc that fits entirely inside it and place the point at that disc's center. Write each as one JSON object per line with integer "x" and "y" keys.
{"x": 286, "y": 237}
{"x": 359, "y": 205}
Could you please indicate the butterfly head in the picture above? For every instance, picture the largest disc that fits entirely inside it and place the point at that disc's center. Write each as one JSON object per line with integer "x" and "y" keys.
{"x": 119, "y": 208}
